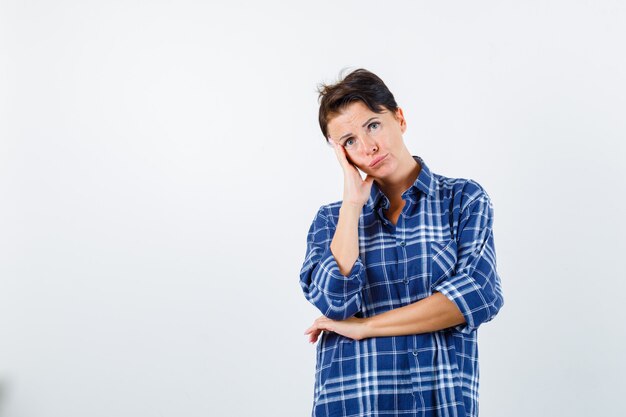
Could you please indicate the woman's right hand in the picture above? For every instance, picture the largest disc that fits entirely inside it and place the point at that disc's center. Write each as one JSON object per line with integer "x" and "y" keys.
{"x": 356, "y": 190}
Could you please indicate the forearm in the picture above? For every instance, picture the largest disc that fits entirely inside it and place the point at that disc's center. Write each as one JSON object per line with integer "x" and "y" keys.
{"x": 430, "y": 314}
{"x": 345, "y": 243}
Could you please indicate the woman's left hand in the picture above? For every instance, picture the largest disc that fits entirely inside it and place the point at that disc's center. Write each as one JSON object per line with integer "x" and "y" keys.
{"x": 353, "y": 328}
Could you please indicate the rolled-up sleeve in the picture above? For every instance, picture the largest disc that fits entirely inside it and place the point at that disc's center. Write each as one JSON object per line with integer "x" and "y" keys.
{"x": 474, "y": 286}
{"x": 338, "y": 297}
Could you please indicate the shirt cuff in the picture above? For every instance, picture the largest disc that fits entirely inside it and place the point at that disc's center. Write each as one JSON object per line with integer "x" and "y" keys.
{"x": 463, "y": 291}
{"x": 330, "y": 280}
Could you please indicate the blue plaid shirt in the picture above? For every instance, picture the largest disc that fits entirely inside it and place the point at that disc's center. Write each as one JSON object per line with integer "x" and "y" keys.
{"x": 442, "y": 242}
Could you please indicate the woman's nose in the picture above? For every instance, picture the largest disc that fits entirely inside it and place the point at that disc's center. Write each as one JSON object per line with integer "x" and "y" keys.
{"x": 369, "y": 145}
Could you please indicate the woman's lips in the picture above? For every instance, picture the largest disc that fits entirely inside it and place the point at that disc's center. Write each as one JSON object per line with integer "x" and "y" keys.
{"x": 377, "y": 160}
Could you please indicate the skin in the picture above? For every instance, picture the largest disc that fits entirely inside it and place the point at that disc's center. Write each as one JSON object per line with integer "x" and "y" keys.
{"x": 359, "y": 137}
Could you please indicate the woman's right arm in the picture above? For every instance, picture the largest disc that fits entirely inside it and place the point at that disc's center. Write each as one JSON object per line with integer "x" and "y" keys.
{"x": 335, "y": 293}
{"x": 333, "y": 275}
{"x": 345, "y": 243}
{"x": 356, "y": 192}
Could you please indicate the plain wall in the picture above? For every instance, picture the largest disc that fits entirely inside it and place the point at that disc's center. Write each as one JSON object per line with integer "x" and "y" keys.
{"x": 161, "y": 162}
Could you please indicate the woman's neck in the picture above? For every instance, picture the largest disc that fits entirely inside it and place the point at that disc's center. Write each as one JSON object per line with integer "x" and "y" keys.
{"x": 406, "y": 175}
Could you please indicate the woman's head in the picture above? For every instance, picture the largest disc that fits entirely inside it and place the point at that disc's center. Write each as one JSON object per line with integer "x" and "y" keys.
{"x": 361, "y": 115}
{"x": 360, "y": 85}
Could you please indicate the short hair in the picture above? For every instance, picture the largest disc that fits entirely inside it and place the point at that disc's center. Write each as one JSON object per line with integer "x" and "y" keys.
{"x": 359, "y": 85}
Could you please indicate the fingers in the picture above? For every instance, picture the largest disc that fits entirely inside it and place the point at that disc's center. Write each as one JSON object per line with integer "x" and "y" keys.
{"x": 313, "y": 333}
{"x": 314, "y": 336}
{"x": 320, "y": 324}
{"x": 340, "y": 152}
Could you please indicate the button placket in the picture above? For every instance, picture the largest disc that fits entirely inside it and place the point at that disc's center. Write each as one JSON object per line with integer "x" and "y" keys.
{"x": 402, "y": 254}
{"x": 415, "y": 378}
{"x": 400, "y": 245}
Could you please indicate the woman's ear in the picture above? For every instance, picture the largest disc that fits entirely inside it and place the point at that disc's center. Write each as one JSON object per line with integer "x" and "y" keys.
{"x": 399, "y": 115}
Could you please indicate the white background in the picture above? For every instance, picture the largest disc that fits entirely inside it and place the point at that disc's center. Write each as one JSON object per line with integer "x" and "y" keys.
{"x": 161, "y": 162}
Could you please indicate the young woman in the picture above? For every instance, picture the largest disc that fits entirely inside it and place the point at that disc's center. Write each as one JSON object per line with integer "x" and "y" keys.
{"x": 403, "y": 269}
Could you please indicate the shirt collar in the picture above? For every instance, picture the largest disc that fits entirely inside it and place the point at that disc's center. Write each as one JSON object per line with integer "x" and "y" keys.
{"x": 424, "y": 183}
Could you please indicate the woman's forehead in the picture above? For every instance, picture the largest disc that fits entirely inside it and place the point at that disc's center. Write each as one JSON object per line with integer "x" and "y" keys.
{"x": 354, "y": 114}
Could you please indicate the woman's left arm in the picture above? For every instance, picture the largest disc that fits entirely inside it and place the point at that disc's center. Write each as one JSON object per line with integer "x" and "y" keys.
{"x": 469, "y": 296}
{"x": 430, "y": 314}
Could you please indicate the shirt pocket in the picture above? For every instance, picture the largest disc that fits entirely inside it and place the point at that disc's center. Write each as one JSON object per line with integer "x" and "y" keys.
{"x": 443, "y": 257}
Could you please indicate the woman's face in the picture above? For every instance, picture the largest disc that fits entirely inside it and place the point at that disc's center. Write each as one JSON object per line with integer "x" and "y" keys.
{"x": 373, "y": 141}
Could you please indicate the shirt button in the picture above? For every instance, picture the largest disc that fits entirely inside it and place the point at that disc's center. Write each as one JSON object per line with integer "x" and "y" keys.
{"x": 415, "y": 352}
{"x": 406, "y": 280}
{"x": 402, "y": 243}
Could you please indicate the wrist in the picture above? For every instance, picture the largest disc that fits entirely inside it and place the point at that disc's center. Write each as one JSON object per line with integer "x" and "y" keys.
{"x": 349, "y": 208}
{"x": 369, "y": 327}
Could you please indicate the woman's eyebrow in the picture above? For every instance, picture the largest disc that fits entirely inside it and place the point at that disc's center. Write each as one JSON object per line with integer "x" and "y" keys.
{"x": 347, "y": 135}
{"x": 368, "y": 120}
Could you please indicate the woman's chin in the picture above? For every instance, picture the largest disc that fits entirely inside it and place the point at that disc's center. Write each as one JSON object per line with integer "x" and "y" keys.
{"x": 382, "y": 172}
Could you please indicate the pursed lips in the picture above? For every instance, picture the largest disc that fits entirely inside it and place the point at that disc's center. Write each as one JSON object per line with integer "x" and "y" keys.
{"x": 377, "y": 160}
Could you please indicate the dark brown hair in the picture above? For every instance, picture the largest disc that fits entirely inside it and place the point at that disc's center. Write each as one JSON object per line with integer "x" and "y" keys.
{"x": 359, "y": 85}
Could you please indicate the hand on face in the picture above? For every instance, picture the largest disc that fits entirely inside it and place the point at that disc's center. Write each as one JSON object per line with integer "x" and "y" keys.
{"x": 356, "y": 190}
{"x": 371, "y": 141}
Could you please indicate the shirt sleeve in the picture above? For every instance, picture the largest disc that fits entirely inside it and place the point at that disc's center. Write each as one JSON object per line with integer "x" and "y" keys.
{"x": 474, "y": 286}
{"x": 338, "y": 297}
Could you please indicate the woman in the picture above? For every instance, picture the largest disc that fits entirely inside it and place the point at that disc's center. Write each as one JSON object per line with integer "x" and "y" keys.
{"x": 403, "y": 269}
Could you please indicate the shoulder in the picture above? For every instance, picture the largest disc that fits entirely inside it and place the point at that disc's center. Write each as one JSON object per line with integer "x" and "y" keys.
{"x": 328, "y": 214}
{"x": 463, "y": 192}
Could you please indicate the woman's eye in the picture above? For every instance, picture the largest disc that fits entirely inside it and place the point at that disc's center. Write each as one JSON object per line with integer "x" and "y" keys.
{"x": 348, "y": 142}
{"x": 374, "y": 125}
